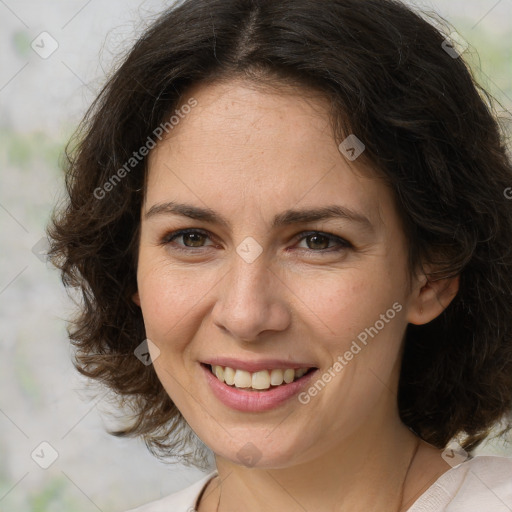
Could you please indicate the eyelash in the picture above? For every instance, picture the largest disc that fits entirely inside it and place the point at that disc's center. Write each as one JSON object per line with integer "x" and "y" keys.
{"x": 343, "y": 244}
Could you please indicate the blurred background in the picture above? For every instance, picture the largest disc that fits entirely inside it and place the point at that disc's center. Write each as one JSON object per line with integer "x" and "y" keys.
{"x": 54, "y": 59}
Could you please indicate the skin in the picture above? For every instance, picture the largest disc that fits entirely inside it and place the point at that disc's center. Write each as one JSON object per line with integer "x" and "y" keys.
{"x": 250, "y": 153}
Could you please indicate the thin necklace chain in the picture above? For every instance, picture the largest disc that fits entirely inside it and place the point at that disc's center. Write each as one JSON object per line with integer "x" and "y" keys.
{"x": 220, "y": 493}
{"x": 418, "y": 442}
{"x": 401, "y": 492}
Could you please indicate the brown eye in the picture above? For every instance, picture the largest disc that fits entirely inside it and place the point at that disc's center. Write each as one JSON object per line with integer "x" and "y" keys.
{"x": 191, "y": 238}
{"x": 317, "y": 242}
{"x": 195, "y": 239}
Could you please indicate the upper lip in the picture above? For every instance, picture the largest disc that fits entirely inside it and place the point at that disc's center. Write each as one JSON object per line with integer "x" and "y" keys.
{"x": 256, "y": 365}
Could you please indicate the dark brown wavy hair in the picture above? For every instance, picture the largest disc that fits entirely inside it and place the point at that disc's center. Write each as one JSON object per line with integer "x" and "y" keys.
{"x": 429, "y": 129}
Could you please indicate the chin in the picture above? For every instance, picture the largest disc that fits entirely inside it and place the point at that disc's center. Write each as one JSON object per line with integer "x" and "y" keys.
{"x": 254, "y": 451}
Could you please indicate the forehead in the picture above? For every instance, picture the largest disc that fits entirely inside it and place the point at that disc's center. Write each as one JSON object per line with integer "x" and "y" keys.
{"x": 269, "y": 149}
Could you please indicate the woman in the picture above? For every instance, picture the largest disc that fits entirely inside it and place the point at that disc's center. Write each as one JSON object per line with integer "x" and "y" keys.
{"x": 290, "y": 226}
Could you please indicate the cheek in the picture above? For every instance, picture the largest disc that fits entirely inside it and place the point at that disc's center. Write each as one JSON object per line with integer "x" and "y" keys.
{"x": 171, "y": 303}
{"x": 363, "y": 322}
{"x": 347, "y": 304}
{"x": 168, "y": 297}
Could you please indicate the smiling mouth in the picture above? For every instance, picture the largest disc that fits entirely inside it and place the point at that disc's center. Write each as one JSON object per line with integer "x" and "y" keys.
{"x": 260, "y": 381}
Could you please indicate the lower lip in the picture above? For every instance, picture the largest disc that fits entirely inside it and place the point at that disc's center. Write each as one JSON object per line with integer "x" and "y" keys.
{"x": 254, "y": 401}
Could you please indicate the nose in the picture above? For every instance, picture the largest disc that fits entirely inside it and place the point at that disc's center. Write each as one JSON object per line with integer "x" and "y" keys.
{"x": 251, "y": 300}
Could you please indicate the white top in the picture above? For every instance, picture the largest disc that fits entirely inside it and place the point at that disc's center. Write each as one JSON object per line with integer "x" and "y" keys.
{"x": 480, "y": 484}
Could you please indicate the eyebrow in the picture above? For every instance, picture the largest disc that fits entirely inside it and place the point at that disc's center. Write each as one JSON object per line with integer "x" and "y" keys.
{"x": 286, "y": 218}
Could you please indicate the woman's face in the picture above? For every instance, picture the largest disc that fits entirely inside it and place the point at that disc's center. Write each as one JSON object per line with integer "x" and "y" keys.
{"x": 268, "y": 287}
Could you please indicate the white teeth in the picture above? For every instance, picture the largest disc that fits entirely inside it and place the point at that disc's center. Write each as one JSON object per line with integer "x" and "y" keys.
{"x": 242, "y": 379}
{"x": 260, "y": 380}
{"x": 219, "y": 372}
{"x": 300, "y": 372}
{"x": 276, "y": 377}
{"x": 289, "y": 375}
{"x": 229, "y": 375}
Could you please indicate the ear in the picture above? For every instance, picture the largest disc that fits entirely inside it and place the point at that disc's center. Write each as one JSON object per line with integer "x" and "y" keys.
{"x": 136, "y": 298}
{"x": 431, "y": 298}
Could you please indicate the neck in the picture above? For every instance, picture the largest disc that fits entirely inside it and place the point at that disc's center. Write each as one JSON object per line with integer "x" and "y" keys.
{"x": 364, "y": 472}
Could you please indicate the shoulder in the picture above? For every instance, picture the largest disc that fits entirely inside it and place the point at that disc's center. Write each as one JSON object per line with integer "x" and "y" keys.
{"x": 480, "y": 483}
{"x": 180, "y": 501}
